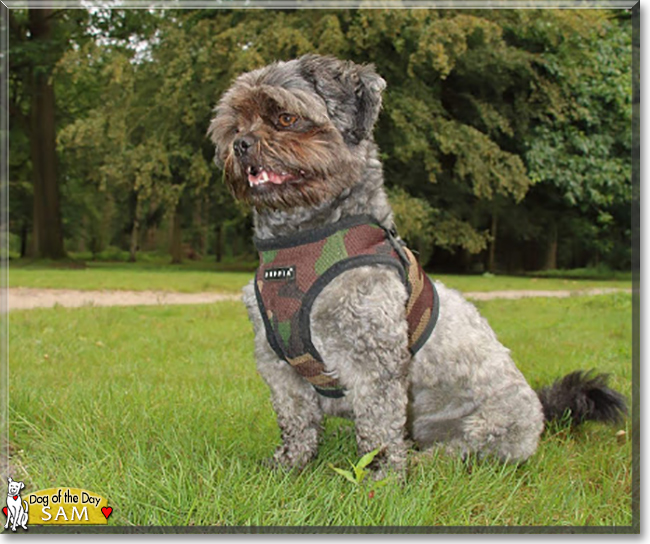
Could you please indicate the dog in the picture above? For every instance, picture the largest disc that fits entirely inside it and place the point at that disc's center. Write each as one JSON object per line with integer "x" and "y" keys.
{"x": 16, "y": 512}
{"x": 295, "y": 141}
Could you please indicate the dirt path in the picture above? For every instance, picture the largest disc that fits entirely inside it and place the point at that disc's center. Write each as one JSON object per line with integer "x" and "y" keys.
{"x": 24, "y": 298}
{"x": 491, "y": 295}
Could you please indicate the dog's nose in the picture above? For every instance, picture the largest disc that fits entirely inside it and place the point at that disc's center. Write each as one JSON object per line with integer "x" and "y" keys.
{"x": 243, "y": 144}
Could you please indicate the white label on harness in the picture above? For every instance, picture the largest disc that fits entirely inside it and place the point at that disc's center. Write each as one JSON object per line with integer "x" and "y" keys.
{"x": 280, "y": 273}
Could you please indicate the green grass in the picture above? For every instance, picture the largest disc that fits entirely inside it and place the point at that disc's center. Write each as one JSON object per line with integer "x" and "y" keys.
{"x": 195, "y": 277}
{"x": 507, "y": 283}
{"x": 594, "y": 273}
{"x": 122, "y": 276}
{"x": 160, "y": 410}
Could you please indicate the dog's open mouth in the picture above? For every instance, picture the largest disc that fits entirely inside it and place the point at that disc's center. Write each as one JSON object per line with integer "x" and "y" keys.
{"x": 261, "y": 175}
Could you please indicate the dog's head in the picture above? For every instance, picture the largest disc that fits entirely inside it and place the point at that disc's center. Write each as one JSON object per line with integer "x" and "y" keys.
{"x": 15, "y": 487}
{"x": 293, "y": 133}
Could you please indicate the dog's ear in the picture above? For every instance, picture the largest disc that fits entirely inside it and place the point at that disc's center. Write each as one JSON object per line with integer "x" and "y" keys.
{"x": 10, "y": 479}
{"x": 22, "y": 485}
{"x": 352, "y": 93}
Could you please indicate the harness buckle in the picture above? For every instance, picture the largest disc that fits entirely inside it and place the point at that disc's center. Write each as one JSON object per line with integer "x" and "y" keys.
{"x": 398, "y": 246}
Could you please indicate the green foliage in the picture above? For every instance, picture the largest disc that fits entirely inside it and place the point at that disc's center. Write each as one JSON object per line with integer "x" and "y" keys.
{"x": 424, "y": 227}
{"x": 358, "y": 473}
{"x": 488, "y": 114}
{"x": 584, "y": 149}
{"x": 580, "y": 155}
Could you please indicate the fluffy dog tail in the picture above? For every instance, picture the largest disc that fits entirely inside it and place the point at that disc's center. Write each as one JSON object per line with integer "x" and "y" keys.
{"x": 582, "y": 396}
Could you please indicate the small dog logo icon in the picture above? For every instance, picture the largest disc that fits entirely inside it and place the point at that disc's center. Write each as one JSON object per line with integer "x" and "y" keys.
{"x": 16, "y": 513}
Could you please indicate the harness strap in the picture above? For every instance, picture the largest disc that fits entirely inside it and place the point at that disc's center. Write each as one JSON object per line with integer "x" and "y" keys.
{"x": 295, "y": 269}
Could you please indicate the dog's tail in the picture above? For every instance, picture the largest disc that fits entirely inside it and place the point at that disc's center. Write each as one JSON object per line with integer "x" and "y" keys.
{"x": 582, "y": 396}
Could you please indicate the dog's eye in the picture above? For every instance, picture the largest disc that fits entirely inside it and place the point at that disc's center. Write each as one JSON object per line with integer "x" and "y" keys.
{"x": 286, "y": 120}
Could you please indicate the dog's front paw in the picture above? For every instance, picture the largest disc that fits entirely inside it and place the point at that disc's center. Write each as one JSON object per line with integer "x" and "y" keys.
{"x": 388, "y": 472}
{"x": 389, "y": 464}
{"x": 290, "y": 457}
{"x": 273, "y": 465}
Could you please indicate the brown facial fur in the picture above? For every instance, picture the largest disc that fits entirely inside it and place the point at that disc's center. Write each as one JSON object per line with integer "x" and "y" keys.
{"x": 313, "y": 151}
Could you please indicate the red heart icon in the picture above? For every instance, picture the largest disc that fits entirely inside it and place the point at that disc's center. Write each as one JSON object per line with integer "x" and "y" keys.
{"x": 15, "y": 497}
{"x": 4, "y": 510}
{"x": 107, "y": 511}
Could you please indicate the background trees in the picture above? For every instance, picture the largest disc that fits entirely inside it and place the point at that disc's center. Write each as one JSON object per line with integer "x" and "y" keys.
{"x": 505, "y": 134}
{"x": 39, "y": 39}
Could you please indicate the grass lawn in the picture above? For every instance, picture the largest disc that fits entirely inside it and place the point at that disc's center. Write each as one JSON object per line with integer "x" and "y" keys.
{"x": 137, "y": 277}
{"x": 205, "y": 276}
{"x": 160, "y": 410}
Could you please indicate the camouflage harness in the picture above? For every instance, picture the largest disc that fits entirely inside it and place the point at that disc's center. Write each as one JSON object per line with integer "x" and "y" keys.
{"x": 294, "y": 270}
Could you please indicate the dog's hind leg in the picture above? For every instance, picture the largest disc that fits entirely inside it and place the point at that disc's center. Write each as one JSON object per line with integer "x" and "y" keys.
{"x": 507, "y": 425}
{"x": 294, "y": 400}
{"x": 467, "y": 392}
{"x": 359, "y": 327}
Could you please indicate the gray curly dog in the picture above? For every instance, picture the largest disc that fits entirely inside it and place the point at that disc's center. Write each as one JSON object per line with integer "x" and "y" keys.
{"x": 295, "y": 141}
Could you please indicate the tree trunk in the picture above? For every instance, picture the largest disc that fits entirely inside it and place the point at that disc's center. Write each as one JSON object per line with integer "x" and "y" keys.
{"x": 218, "y": 245}
{"x": 24, "y": 231}
{"x": 176, "y": 247}
{"x": 550, "y": 260}
{"x": 133, "y": 244}
{"x": 202, "y": 225}
{"x": 86, "y": 233}
{"x": 151, "y": 238}
{"x": 493, "y": 243}
{"x": 48, "y": 233}
{"x": 135, "y": 231}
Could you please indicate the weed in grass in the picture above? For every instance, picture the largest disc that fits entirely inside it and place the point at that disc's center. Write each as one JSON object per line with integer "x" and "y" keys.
{"x": 358, "y": 473}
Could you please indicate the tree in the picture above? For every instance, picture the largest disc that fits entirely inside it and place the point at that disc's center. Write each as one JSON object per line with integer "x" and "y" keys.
{"x": 580, "y": 154}
{"x": 38, "y": 38}
{"x": 483, "y": 110}
{"x": 458, "y": 98}
{"x": 126, "y": 158}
